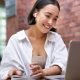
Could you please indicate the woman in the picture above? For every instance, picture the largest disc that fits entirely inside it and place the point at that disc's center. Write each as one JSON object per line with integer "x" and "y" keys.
{"x": 42, "y": 49}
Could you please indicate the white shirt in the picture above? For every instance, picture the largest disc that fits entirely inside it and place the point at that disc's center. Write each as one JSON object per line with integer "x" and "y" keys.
{"x": 19, "y": 47}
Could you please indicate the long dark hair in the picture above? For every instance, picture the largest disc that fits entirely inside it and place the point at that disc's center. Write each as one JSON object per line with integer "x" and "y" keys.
{"x": 39, "y": 4}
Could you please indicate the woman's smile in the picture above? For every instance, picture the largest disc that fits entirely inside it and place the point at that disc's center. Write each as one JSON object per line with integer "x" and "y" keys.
{"x": 47, "y": 27}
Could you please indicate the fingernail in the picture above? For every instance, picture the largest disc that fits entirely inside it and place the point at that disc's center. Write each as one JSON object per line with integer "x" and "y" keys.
{"x": 19, "y": 72}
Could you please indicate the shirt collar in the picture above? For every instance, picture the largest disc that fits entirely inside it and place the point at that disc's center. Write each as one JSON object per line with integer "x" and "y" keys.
{"x": 21, "y": 35}
{"x": 50, "y": 36}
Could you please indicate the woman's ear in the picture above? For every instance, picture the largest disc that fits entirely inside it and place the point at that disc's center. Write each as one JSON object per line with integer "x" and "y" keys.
{"x": 35, "y": 13}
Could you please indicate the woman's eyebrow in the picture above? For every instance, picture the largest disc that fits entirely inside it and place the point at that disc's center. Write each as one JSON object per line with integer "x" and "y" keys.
{"x": 51, "y": 14}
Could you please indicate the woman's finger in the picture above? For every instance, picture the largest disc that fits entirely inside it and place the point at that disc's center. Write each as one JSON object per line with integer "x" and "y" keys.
{"x": 36, "y": 72}
{"x": 38, "y": 75}
{"x": 14, "y": 71}
{"x": 35, "y": 67}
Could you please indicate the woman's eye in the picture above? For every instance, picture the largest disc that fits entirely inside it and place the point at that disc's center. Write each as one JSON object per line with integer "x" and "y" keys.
{"x": 47, "y": 16}
{"x": 55, "y": 19}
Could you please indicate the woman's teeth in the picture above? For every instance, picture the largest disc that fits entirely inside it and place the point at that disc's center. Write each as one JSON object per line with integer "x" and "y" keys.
{"x": 47, "y": 27}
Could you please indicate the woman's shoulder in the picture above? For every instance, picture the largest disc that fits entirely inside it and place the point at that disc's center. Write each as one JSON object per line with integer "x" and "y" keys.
{"x": 18, "y": 35}
{"x": 54, "y": 34}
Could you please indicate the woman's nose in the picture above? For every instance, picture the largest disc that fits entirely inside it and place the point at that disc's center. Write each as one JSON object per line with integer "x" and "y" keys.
{"x": 50, "y": 22}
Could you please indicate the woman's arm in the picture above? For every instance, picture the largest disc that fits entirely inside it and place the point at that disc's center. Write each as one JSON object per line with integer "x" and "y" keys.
{"x": 10, "y": 59}
{"x": 54, "y": 70}
{"x": 38, "y": 72}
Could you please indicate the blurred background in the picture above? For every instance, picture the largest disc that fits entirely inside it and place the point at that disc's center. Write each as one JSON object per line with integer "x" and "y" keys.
{"x": 13, "y": 17}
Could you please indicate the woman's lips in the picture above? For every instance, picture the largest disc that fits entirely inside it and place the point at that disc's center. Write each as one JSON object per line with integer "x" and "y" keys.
{"x": 47, "y": 27}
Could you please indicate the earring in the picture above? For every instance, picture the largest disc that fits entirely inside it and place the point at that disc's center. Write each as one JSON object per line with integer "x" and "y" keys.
{"x": 35, "y": 14}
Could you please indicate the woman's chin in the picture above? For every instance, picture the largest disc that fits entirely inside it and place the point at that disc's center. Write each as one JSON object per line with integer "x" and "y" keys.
{"x": 45, "y": 31}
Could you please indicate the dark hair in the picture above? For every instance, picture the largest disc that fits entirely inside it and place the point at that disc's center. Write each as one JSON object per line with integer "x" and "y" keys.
{"x": 39, "y": 4}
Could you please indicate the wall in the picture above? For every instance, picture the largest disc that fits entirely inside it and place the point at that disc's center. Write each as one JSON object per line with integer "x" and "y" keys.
{"x": 23, "y": 9}
{"x": 69, "y": 21}
{"x": 11, "y": 26}
{"x": 68, "y": 24}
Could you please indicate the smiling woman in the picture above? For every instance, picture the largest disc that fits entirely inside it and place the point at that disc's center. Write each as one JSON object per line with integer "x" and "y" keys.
{"x": 37, "y": 49}
{"x": 47, "y": 17}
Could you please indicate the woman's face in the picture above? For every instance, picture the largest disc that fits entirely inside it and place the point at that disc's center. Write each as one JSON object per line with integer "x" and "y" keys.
{"x": 46, "y": 17}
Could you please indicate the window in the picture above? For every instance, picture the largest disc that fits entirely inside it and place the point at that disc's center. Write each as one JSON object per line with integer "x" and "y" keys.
{"x": 2, "y": 29}
{"x": 10, "y": 8}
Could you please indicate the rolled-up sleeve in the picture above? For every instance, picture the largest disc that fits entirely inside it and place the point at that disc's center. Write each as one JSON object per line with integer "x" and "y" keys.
{"x": 9, "y": 60}
{"x": 60, "y": 54}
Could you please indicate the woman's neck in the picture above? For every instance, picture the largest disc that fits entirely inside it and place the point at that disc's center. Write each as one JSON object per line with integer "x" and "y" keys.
{"x": 34, "y": 32}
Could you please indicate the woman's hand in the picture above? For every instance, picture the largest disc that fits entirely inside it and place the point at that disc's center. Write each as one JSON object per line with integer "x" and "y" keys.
{"x": 37, "y": 71}
{"x": 12, "y": 72}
